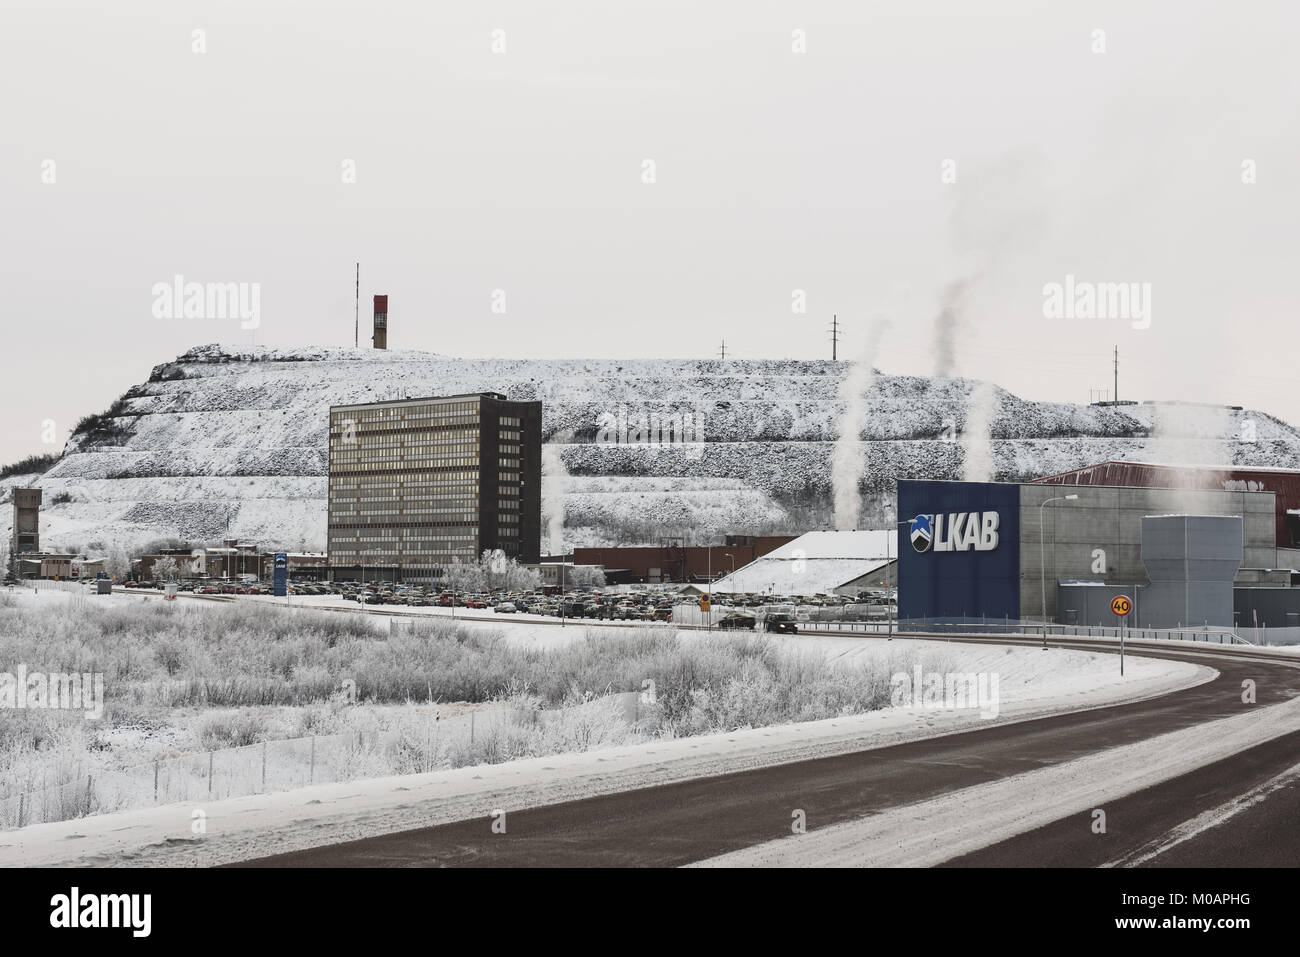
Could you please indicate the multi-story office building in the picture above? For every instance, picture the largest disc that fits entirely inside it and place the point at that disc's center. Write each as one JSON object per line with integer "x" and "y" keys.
{"x": 419, "y": 483}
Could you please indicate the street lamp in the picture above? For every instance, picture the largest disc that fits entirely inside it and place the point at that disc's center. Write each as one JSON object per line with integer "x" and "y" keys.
{"x": 890, "y": 509}
{"x": 708, "y": 625}
{"x": 1042, "y": 553}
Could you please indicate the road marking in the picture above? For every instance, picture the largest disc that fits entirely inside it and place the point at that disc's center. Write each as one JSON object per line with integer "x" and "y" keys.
{"x": 1206, "y": 820}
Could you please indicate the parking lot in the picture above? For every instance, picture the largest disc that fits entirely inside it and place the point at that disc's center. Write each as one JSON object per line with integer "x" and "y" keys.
{"x": 729, "y": 612}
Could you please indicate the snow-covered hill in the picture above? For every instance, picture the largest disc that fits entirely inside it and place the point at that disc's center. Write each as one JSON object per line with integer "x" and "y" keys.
{"x": 235, "y": 437}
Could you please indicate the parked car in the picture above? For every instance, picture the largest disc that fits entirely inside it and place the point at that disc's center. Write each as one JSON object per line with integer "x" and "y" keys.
{"x": 735, "y": 621}
{"x": 505, "y": 608}
{"x": 781, "y": 624}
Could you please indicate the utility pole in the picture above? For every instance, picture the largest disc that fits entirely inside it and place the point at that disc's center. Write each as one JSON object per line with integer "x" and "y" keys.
{"x": 723, "y": 353}
{"x": 1117, "y": 373}
{"x": 356, "y": 313}
{"x": 835, "y": 338}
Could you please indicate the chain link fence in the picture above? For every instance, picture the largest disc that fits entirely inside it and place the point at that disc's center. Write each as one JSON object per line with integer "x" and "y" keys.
{"x": 498, "y": 732}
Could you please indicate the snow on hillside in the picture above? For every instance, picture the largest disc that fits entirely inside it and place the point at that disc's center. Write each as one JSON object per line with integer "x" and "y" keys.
{"x": 235, "y": 438}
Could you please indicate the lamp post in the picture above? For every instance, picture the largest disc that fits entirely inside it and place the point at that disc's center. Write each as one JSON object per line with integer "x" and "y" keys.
{"x": 891, "y": 609}
{"x": 889, "y": 621}
{"x": 1042, "y": 553}
{"x": 708, "y": 626}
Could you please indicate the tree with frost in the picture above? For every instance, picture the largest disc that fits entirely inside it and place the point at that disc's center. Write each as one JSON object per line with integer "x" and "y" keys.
{"x": 584, "y": 576}
{"x": 117, "y": 563}
{"x": 165, "y": 569}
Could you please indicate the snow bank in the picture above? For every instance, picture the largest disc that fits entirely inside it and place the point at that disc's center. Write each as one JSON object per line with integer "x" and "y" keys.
{"x": 1034, "y": 683}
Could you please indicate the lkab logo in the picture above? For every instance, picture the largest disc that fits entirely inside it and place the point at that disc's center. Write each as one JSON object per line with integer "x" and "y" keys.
{"x": 955, "y": 532}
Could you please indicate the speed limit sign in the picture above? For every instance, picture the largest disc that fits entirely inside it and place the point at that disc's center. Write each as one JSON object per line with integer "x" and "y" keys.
{"x": 1121, "y": 605}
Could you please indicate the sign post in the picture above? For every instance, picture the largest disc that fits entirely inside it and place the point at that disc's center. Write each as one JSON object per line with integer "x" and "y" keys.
{"x": 280, "y": 577}
{"x": 1122, "y": 606}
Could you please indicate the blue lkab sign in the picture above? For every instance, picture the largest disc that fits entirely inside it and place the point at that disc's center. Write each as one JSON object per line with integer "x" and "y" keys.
{"x": 956, "y": 532}
{"x": 960, "y": 550}
{"x": 280, "y": 577}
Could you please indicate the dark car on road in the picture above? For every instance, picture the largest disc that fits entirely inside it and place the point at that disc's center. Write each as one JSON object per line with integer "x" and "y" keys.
{"x": 781, "y": 624}
{"x": 735, "y": 621}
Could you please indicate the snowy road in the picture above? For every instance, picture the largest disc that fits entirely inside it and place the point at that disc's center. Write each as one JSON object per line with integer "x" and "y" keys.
{"x": 918, "y": 803}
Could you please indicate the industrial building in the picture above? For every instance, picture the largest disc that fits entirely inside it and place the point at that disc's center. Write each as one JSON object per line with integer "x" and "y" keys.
{"x": 415, "y": 484}
{"x": 230, "y": 559}
{"x": 26, "y": 535}
{"x": 990, "y": 550}
{"x": 1283, "y": 483}
{"x": 379, "y": 335}
{"x": 49, "y": 565}
{"x": 818, "y": 563}
{"x": 674, "y": 562}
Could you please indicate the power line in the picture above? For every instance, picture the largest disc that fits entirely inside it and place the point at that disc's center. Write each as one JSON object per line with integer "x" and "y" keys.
{"x": 1117, "y": 373}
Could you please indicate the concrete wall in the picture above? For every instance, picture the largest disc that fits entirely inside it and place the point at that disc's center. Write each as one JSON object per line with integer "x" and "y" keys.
{"x": 1110, "y": 519}
{"x": 1090, "y": 604}
{"x": 1274, "y": 607}
{"x": 1191, "y": 561}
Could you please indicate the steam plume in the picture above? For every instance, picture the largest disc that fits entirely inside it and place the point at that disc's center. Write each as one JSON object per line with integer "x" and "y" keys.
{"x": 849, "y": 456}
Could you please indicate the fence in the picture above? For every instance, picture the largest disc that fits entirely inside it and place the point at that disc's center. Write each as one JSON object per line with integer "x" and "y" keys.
{"x": 837, "y": 621}
{"x": 1030, "y": 629}
{"x": 299, "y": 762}
{"x": 77, "y": 591}
{"x": 1277, "y": 636}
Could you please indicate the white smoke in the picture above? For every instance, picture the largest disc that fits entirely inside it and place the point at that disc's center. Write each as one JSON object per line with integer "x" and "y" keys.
{"x": 1190, "y": 435}
{"x": 849, "y": 455}
{"x": 555, "y": 484}
{"x": 977, "y": 436}
{"x": 946, "y": 325}
{"x": 998, "y": 214}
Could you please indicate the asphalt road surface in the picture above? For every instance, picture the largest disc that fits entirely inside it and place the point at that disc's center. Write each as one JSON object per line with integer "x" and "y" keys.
{"x": 689, "y": 821}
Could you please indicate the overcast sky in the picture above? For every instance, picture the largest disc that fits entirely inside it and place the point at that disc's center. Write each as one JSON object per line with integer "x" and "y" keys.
{"x": 795, "y": 146}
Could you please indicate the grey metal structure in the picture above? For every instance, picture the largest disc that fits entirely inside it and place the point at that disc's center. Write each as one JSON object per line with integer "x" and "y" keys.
{"x": 1191, "y": 561}
{"x": 1098, "y": 538}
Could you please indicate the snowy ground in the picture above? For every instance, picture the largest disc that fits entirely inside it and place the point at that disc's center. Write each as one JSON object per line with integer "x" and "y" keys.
{"x": 1032, "y": 683}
